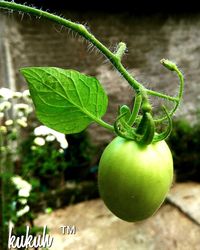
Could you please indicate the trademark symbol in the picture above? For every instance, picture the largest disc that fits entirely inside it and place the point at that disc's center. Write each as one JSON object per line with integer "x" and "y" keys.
{"x": 68, "y": 230}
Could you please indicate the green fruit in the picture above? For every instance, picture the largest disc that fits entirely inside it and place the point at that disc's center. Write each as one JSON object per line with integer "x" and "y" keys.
{"x": 133, "y": 179}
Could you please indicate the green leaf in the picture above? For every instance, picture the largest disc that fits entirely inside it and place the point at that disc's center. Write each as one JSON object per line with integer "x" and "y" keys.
{"x": 65, "y": 100}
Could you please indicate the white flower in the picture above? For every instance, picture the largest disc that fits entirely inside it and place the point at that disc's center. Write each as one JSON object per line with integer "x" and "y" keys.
{"x": 26, "y": 96}
{"x": 9, "y": 122}
{"x": 5, "y": 106}
{"x": 11, "y": 224}
{"x": 28, "y": 111}
{"x": 17, "y": 181}
{"x": 23, "y": 211}
{"x": 50, "y": 138}
{"x": 43, "y": 130}
{"x": 23, "y": 201}
{"x": 33, "y": 147}
{"x": 24, "y": 188}
{"x": 62, "y": 140}
{"x": 20, "y": 114}
{"x": 23, "y": 107}
{"x": 17, "y": 95}
{"x": 26, "y": 93}
{"x": 6, "y": 93}
{"x": 61, "y": 150}
{"x": 20, "y": 183}
{"x": 39, "y": 141}
{"x": 24, "y": 192}
{"x": 3, "y": 129}
{"x": 22, "y": 122}
{"x": 1, "y": 115}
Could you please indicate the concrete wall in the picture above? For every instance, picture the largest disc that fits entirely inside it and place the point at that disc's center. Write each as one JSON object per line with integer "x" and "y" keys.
{"x": 27, "y": 41}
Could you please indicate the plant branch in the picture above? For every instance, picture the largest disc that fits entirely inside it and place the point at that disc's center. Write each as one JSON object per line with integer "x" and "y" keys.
{"x": 172, "y": 66}
{"x": 81, "y": 30}
{"x": 135, "y": 110}
{"x": 104, "y": 124}
{"x": 121, "y": 49}
{"x": 161, "y": 95}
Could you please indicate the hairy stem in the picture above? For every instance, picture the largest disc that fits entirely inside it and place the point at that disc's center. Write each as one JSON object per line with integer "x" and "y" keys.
{"x": 81, "y": 30}
{"x": 161, "y": 95}
{"x": 120, "y": 50}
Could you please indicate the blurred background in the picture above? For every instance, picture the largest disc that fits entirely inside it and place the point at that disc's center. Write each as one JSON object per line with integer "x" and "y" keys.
{"x": 47, "y": 176}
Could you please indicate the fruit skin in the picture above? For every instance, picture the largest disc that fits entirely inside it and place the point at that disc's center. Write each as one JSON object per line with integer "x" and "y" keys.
{"x": 133, "y": 179}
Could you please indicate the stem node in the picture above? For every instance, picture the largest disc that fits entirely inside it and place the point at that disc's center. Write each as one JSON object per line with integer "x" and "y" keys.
{"x": 121, "y": 49}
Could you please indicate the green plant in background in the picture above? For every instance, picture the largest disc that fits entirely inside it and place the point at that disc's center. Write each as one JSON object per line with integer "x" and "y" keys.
{"x": 19, "y": 194}
{"x": 15, "y": 108}
{"x": 186, "y": 154}
{"x": 47, "y": 160}
{"x": 52, "y": 156}
{"x": 68, "y": 101}
{"x": 46, "y": 149}
{"x": 22, "y": 139}
{"x": 20, "y": 212}
{"x": 80, "y": 157}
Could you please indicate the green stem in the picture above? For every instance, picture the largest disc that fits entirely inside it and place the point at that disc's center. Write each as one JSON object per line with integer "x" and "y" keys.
{"x": 165, "y": 134}
{"x": 167, "y": 97}
{"x": 120, "y": 50}
{"x": 181, "y": 79}
{"x": 136, "y": 108}
{"x": 177, "y": 99}
{"x": 81, "y": 30}
{"x": 148, "y": 129}
{"x": 104, "y": 124}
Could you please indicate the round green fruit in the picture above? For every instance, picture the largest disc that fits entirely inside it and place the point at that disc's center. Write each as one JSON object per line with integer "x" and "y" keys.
{"x": 134, "y": 179}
